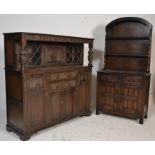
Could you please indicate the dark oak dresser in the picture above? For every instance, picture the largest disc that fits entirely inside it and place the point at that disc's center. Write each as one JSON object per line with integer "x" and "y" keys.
{"x": 123, "y": 84}
{"x": 46, "y": 81}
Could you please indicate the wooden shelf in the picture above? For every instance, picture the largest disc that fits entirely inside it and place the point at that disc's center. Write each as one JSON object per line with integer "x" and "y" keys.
{"x": 127, "y": 55}
{"x": 136, "y": 38}
{"x": 123, "y": 72}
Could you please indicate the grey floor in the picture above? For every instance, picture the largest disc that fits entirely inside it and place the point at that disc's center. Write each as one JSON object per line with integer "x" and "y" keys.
{"x": 97, "y": 128}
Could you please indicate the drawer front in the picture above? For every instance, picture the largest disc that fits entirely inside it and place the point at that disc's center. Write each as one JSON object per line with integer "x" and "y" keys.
{"x": 133, "y": 80}
{"x": 62, "y": 85}
{"x": 61, "y": 76}
{"x": 109, "y": 78}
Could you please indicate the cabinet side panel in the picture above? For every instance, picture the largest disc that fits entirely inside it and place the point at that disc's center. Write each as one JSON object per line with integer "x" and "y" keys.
{"x": 14, "y": 99}
{"x": 147, "y": 94}
{"x": 9, "y": 52}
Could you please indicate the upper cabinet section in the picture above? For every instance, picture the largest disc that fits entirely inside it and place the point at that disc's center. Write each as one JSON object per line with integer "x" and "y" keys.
{"x": 24, "y": 50}
{"x": 129, "y": 28}
{"x": 42, "y": 54}
{"x": 128, "y": 45}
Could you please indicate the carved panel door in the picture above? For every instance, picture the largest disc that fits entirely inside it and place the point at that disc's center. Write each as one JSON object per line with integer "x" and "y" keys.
{"x": 36, "y": 101}
{"x": 131, "y": 95}
{"x": 60, "y": 105}
{"x": 83, "y": 106}
{"x": 67, "y": 102}
{"x": 108, "y": 89}
{"x": 53, "y": 107}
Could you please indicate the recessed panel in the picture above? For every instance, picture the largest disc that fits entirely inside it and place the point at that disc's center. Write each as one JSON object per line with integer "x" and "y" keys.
{"x": 128, "y": 29}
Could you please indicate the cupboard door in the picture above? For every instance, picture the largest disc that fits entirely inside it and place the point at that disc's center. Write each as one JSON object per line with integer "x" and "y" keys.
{"x": 131, "y": 89}
{"x": 67, "y": 102}
{"x": 129, "y": 100}
{"x": 83, "y": 96}
{"x": 36, "y": 102}
{"x": 53, "y": 107}
{"x": 60, "y": 105}
{"x": 108, "y": 90}
{"x": 36, "y": 110}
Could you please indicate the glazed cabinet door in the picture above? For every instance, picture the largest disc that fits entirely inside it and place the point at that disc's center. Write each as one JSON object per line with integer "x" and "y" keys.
{"x": 131, "y": 89}
{"x": 36, "y": 101}
{"x": 107, "y": 93}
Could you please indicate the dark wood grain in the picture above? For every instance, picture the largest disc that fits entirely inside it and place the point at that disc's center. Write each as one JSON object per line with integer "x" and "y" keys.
{"x": 46, "y": 82}
{"x": 123, "y": 84}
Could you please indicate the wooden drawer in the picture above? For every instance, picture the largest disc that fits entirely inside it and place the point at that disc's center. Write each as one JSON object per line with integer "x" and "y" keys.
{"x": 62, "y": 85}
{"x": 133, "y": 80}
{"x": 61, "y": 76}
{"x": 109, "y": 78}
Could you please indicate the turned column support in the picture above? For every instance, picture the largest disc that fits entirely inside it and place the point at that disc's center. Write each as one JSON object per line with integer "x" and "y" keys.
{"x": 20, "y": 53}
{"x": 23, "y": 53}
{"x": 90, "y": 55}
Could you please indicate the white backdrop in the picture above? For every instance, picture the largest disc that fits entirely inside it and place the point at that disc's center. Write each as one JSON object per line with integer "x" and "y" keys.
{"x": 75, "y": 25}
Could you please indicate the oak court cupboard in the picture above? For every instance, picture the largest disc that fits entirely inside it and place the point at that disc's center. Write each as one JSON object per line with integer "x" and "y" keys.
{"x": 46, "y": 82}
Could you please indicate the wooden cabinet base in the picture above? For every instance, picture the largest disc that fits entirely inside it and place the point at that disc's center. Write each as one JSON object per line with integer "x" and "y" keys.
{"x": 22, "y": 136}
{"x": 123, "y": 94}
{"x": 25, "y": 137}
{"x": 140, "y": 120}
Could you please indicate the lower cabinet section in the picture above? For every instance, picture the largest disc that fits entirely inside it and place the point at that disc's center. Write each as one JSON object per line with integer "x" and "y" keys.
{"x": 36, "y": 109}
{"x": 123, "y": 94}
{"x": 54, "y": 107}
{"x": 59, "y": 105}
{"x": 51, "y": 96}
{"x": 130, "y": 99}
